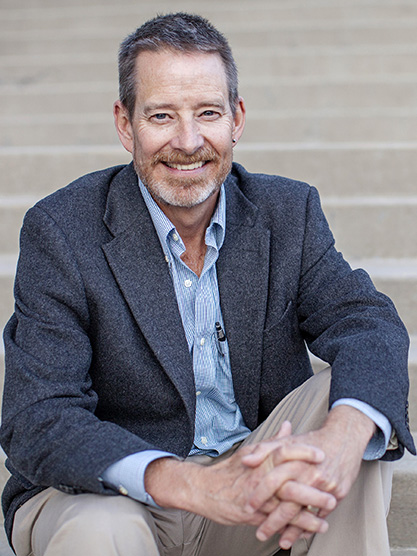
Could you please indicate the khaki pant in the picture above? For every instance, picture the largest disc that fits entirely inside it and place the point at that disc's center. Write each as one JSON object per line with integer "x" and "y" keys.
{"x": 57, "y": 524}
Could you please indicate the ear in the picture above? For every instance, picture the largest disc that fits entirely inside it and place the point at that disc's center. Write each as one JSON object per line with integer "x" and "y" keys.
{"x": 239, "y": 120}
{"x": 123, "y": 125}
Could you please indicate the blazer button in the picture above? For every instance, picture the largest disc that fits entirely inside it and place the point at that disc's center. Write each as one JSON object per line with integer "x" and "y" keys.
{"x": 66, "y": 489}
{"x": 122, "y": 490}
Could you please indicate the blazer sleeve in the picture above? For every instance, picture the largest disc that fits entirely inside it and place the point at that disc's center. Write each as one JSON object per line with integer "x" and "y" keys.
{"x": 49, "y": 430}
{"x": 348, "y": 323}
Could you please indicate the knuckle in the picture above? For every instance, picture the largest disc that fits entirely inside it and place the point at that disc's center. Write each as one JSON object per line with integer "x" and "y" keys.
{"x": 323, "y": 481}
{"x": 307, "y": 521}
{"x": 288, "y": 490}
{"x": 340, "y": 492}
{"x": 288, "y": 511}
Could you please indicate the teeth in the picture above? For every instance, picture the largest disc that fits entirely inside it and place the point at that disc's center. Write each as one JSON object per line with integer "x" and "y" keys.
{"x": 186, "y": 166}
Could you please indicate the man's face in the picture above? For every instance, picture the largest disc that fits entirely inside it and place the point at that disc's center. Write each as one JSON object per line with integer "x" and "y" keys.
{"x": 181, "y": 132}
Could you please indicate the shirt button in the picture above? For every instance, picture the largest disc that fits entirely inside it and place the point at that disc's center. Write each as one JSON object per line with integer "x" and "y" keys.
{"x": 187, "y": 283}
{"x": 123, "y": 490}
{"x": 175, "y": 237}
{"x": 166, "y": 258}
{"x": 198, "y": 392}
{"x": 202, "y": 341}
{"x": 204, "y": 440}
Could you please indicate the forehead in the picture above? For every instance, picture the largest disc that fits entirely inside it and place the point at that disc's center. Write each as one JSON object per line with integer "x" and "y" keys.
{"x": 174, "y": 73}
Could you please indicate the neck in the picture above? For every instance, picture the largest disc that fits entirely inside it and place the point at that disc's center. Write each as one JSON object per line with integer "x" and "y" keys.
{"x": 191, "y": 223}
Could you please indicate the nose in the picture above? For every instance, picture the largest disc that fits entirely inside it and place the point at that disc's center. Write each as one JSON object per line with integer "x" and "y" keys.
{"x": 187, "y": 137}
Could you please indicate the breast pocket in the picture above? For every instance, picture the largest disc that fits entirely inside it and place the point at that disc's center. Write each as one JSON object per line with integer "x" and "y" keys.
{"x": 285, "y": 363}
{"x": 288, "y": 315}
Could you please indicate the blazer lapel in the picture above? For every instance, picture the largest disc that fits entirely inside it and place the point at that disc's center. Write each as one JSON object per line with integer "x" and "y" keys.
{"x": 137, "y": 261}
{"x": 243, "y": 275}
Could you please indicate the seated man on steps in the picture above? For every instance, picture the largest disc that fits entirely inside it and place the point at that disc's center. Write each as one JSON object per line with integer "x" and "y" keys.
{"x": 159, "y": 397}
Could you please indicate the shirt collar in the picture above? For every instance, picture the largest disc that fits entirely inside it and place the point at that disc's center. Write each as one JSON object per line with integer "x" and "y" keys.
{"x": 164, "y": 227}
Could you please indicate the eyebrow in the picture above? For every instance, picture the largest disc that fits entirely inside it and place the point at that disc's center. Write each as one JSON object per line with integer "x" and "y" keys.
{"x": 170, "y": 106}
{"x": 157, "y": 106}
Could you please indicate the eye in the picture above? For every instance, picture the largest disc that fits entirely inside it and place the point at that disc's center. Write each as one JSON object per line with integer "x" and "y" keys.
{"x": 160, "y": 117}
{"x": 210, "y": 114}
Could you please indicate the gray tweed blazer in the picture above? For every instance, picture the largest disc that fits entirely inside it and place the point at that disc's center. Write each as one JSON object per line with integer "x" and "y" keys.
{"x": 97, "y": 365}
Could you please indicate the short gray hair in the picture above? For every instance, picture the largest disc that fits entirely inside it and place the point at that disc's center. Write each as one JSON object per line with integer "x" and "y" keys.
{"x": 177, "y": 31}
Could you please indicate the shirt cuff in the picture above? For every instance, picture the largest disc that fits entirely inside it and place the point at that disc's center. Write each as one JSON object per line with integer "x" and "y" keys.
{"x": 378, "y": 444}
{"x": 127, "y": 475}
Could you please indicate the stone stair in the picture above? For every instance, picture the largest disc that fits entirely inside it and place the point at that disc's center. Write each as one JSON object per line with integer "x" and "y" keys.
{"x": 331, "y": 92}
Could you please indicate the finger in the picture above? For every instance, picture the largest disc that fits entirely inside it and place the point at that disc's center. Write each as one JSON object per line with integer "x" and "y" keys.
{"x": 270, "y": 505}
{"x": 282, "y": 452}
{"x": 261, "y": 452}
{"x": 285, "y": 430}
{"x": 290, "y": 512}
{"x": 306, "y": 495}
{"x": 310, "y": 523}
{"x": 278, "y": 520}
{"x": 292, "y": 491}
{"x": 272, "y": 482}
{"x": 290, "y": 535}
{"x": 270, "y": 444}
{"x": 294, "y": 532}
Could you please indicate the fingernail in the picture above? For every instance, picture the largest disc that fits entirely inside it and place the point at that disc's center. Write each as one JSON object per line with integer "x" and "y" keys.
{"x": 324, "y": 527}
{"x": 260, "y": 535}
{"x": 331, "y": 504}
{"x": 285, "y": 545}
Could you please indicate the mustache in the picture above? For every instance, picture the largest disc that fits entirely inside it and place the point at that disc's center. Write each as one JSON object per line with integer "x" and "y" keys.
{"x": 204, "y": 154}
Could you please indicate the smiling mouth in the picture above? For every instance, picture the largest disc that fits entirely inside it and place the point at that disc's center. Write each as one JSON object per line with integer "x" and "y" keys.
{"x": 193, "y": 166}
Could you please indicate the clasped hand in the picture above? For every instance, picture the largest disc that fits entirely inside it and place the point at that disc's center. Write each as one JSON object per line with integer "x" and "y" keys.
{"x": 273, "y": 484}
{"x": 278, "y": 480}
{"x": 295, "y": 483}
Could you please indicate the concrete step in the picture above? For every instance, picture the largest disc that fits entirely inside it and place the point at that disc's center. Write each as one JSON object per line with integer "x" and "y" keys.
{"x": 402, "y": 519}
{"x": 353, "y": 61}
{"x": 346, "y": 169}
{"x": 341, "y": 126}
{"x": 267, "y": 31}
{"x": 348, "y": 60}
{"x": 18, "y": 16}
{"x": 38, "y": 171}
{"x": 395, "y": 125}
{"x": 389, "y": 91}
{"x": 373, "y": 226}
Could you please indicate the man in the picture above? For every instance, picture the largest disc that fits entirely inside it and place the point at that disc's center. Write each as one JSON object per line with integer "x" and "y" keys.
{"x": 162, "y": 311}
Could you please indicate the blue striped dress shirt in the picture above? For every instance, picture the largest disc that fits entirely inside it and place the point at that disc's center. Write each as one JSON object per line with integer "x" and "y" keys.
{"x": 219, "y": 422}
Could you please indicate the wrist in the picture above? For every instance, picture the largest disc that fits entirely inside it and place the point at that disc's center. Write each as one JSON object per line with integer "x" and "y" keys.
{"x": 351, "y": 423}
{"x": 172, "y": 483}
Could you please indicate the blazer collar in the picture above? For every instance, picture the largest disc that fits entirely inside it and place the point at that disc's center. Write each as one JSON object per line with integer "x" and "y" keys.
{"x": 243, "y": 276}
{"x": 137, "y": 261}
